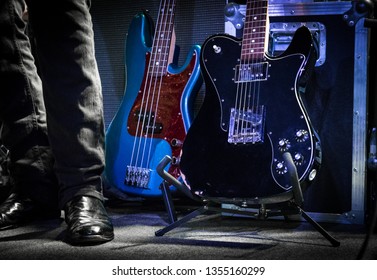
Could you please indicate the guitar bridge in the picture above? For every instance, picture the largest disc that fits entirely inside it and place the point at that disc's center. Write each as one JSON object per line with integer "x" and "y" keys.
{"x": 137, "y": 176}
{"x": 246, "y": 126}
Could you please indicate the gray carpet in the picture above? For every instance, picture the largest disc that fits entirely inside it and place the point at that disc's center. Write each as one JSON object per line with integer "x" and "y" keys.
{"x": 209, "y": 236}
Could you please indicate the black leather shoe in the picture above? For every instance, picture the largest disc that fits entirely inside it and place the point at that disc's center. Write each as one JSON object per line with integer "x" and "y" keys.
{"x": 15, "y": 211}
{"x": 88, "y": 222}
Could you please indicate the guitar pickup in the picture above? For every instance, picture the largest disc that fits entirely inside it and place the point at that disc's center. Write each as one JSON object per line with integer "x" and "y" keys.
{"x": 148, "y": 121}
{"x": 144, "y": 116}
{"x": 251, "y": 72}
{"x": 154, "y": 128}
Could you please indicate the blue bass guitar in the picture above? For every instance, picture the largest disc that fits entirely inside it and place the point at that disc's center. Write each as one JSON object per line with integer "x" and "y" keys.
{"x": 157, "y": 107}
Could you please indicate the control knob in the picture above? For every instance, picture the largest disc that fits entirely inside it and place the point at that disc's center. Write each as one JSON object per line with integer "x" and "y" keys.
{"x": 281, "y": 168}
{"x": 284, "y": 145}
{"x": 298, "y": 158}
{"x": 302, "y": 135}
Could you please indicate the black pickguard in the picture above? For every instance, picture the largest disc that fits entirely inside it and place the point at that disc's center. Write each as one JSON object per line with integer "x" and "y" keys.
{"x": 212, "y": 166}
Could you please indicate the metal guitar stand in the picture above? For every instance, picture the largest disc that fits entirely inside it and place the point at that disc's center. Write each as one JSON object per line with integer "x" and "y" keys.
{"x": 293, "y": 197}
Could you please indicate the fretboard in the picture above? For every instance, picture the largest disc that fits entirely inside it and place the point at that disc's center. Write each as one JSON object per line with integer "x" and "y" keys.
{"x": 162, "y": 38}
{"x": 254, "y": 33}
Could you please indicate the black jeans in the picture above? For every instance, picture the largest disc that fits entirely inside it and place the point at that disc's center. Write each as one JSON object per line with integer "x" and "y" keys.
{"x": 50, "y": 100}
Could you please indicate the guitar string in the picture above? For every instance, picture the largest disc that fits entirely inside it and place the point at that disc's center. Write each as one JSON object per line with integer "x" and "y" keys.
{"x": 261, "y": 41}
{"x": 143, "y": 112}
{"x": 156, "y": 58}
{"x": 166, "y": 41}
{"x": 141, "y": 117}
{"x": 245, "y": 88}
{"x": 240, "y": 83}
{"x": 159, "y": 51}
{"x": 246, "y": 57}
{"x": 250, "y": 65}
{"x": 158, "y": 67}
{"x": 256, "y": 41}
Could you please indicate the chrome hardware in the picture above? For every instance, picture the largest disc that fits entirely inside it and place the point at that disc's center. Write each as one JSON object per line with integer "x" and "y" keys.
{"x": 302, "y": 135}
{"x": 284, "y": 145}
{"x": 216, "y": 49}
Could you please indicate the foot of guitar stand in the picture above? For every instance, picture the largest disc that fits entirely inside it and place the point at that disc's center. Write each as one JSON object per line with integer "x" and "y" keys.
{"x": 321, "y": 230}
{"x": 181, "y": 221}
{"x": 294, "y": 197}
{"x": 298, "y": 199}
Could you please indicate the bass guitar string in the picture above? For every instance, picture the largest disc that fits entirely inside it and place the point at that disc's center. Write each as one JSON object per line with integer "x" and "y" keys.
{"x": 153, "y": 83}
{"x": 166, "y": 36}
{"x": 157, "y": 51}
{"x": 142, "y": 118}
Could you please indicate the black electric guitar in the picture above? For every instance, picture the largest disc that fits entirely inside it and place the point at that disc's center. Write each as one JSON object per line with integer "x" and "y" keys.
{"x": 251, "y": 115}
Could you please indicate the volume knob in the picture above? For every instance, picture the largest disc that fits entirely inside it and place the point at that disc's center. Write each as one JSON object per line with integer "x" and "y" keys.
{"x": 281, "y": 168}
{"x": 302, "y": 135}
{"x": 298, "y": 159}
{"x": 284, "y": 145}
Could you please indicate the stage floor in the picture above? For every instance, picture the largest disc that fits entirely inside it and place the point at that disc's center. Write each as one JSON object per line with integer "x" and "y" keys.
{"x": 206, "y": 237}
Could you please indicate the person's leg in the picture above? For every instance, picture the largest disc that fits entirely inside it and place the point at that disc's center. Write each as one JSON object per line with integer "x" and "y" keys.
{"x": 65, "y": 52}
{"x": 23, "y": 116}
{"x": 64, "y": 42}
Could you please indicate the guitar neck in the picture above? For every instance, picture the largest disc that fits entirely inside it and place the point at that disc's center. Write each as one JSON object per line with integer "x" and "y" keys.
{"x": 161, "y": 53}
{"x": 255, "y": 37}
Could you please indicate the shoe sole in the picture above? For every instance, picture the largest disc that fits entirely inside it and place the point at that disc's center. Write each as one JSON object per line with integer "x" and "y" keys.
{"x": 89, "y": 240}
{"x": 8, "y": 227}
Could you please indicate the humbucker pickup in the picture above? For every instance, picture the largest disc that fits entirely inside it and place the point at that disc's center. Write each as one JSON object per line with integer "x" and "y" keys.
{"x": 250, "y": 72}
